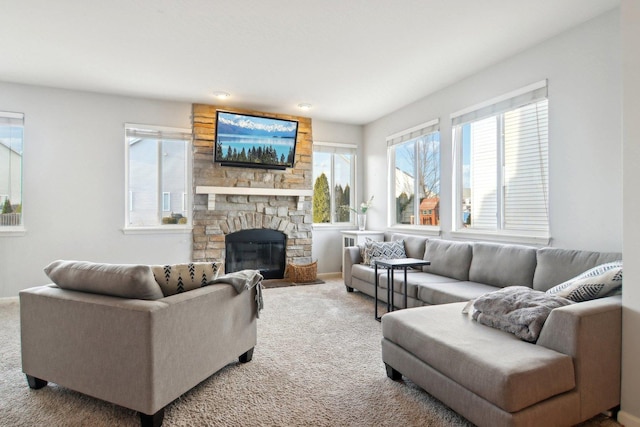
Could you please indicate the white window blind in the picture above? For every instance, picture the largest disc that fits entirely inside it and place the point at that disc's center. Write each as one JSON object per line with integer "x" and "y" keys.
{"x": 503, "y": 155}
{"x": 414, "y": 132}
{"x": 526, "y": 163}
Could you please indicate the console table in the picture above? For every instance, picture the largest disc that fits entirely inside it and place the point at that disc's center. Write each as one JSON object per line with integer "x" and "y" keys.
{"x": 391, "y": 265}
{"x": 356, "y": 237}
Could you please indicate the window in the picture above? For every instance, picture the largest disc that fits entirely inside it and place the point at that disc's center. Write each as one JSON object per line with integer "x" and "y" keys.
{"x": 414, "y": 175}
{"x": 158, "y": 176}
{"x": 11, "y": 149}
{"x": 502, "y": 164}
{"x": 333, "y": 178}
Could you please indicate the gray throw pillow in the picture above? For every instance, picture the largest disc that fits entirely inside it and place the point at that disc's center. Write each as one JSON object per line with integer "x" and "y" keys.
{"x": 384, "y": 250}
{"x": 120, "y": 280}
{"x": 601, "y": 281}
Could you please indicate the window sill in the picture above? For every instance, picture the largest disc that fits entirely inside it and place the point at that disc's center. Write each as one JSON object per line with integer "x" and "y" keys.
{"x": 158, "y": 230}
{"x": 340, "y": 226}
{"x": 427, "y": 230}
{"x": 503, "y": 237}
{"x": 13, "y": 231}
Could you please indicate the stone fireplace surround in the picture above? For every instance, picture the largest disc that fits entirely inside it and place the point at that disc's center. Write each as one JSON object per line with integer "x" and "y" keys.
{"x": 229, "y": 199}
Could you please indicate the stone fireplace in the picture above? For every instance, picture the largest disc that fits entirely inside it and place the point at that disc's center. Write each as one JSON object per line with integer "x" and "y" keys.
{"x": 232, "y": 199}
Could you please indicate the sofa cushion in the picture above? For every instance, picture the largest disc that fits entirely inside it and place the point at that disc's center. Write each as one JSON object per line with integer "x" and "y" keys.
{"x": 555, "y": 265}
{"x": 383, "y": 250}
{"x": 496, "y": 365}
{"x": 176, "y": 278}
{"x": 120, "y": 280}
{"x": 363, "y": 272}
{"x": 601, "y": 281}
{"x": 450, "y": 259}
{"x": 413, "y": 245}
{"x": 502, "y": 265}
{"x": 414, "y": 279}
{"x": 446, "y": 292}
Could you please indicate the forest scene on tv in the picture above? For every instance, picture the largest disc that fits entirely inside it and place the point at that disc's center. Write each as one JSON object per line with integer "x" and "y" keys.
{"x": 255, "y": 140}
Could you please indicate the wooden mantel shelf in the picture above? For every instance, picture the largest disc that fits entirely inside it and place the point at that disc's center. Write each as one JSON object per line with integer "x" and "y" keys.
{"x": 250, "y": 191}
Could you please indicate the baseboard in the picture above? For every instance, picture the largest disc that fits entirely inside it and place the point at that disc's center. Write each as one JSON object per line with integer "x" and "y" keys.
{"x": 628, "y": 420}
{"x": 326, "y": 276}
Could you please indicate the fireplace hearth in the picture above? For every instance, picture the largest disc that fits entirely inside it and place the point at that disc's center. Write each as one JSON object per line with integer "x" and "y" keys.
{"x": 256, "y": 249}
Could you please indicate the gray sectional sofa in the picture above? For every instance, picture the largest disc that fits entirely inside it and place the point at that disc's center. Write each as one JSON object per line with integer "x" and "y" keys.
{"x": 489, "y": 376}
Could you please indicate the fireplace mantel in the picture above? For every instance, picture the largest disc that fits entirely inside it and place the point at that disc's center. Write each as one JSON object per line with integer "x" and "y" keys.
{"x": 211, "y": 191}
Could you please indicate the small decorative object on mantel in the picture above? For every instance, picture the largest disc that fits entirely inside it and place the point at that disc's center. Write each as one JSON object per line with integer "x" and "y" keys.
{"x": 361, "y": 213}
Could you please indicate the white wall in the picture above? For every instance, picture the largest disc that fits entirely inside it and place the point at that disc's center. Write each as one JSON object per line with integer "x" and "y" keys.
{"x": 583, "y": 71}
{"x": 327, "y": 243}
{"x": 630, "y": 408}
{"x": 73, "y": 182}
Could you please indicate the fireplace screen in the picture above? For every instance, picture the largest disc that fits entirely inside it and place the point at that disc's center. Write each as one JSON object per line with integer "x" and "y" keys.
{"x": 257, "y": 249}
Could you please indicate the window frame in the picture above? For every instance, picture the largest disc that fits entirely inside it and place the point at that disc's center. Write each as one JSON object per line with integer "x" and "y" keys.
{"x": 353, "y": 194}
{"x": 528, "y": 95}
{"x": 171, "y": 133}
{"x": 16, "y": 230}
{"x": 411, "y": 134}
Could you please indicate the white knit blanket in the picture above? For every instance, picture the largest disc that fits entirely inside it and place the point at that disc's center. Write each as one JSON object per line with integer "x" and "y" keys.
{"x": 519, "y": 310}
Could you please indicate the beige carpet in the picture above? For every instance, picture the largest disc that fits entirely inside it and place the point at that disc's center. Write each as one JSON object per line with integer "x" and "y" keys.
{"x": 317, "y": 363}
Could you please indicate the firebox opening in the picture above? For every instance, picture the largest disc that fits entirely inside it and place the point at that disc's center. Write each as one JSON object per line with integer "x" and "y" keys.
{"x": 257, "y": 249}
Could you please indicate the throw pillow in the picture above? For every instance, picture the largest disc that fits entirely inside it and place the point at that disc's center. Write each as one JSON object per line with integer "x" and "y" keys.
{"x": 120, "y": 280}
{"x": 601, "y": 281}
{"x": 177, "y": 278}
{"x": 384, "y": 250}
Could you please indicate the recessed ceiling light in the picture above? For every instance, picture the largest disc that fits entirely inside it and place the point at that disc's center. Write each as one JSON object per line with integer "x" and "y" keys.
{"x": 304, "y": 106}
{"x": 221, "y": 95}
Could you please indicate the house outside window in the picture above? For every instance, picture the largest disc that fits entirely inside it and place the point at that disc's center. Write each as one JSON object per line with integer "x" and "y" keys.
{"x": 333, "y": 178}
{"x": 158, "y": 176}
{"x": 414, "y": 176}
{"x": 11, "y": 150}
{"x": 501, "y": 152}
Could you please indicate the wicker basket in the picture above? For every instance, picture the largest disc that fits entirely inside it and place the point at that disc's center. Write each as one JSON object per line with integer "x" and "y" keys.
{"x": 302, "y": 273}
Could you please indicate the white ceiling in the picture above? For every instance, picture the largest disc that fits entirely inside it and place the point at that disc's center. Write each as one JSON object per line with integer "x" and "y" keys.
{"x": 353, "y": 60}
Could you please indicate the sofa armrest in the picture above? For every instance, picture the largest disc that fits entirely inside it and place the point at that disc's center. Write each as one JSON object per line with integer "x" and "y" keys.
{"x": 591, "y": 333}
{"x": 350, "y": 257}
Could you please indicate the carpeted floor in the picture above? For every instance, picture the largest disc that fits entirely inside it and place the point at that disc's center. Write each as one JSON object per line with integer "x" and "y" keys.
{"x": 317, "y": 363}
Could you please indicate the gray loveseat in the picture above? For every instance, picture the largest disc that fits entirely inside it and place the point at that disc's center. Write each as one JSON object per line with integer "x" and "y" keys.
{"x": 138, "y": 352}
{"x": 489, "y": 376}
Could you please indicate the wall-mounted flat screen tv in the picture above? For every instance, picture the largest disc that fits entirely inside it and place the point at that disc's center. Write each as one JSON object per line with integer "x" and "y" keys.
{"x": 252, "y": 141}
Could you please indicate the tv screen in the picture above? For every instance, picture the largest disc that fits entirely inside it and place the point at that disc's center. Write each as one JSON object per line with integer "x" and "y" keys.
{"x": 253, "y": 141}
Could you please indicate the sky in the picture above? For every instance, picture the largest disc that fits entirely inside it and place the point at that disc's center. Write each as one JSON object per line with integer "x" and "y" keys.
{"x": 11, "y": 136}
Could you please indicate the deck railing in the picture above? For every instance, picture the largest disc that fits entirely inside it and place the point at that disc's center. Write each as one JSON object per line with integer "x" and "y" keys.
{"x": 9, "y": 219}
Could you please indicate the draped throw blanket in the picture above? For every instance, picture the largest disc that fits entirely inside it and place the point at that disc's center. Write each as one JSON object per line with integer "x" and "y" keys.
{"x": 519, "y": 310}
{"x": 244, "y": 280}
